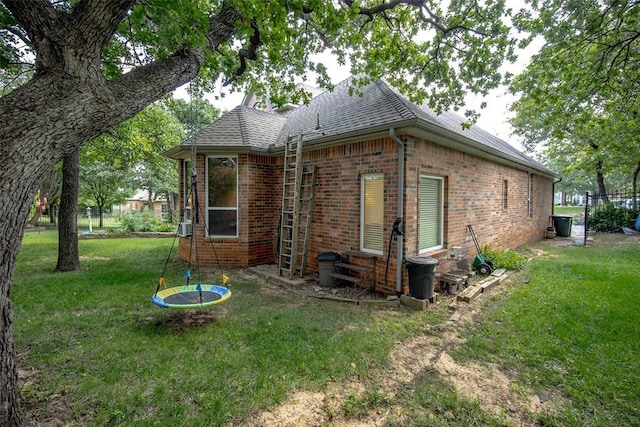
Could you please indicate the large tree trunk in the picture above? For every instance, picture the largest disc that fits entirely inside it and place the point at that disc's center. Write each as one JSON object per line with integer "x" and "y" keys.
{"x": 602, "y": 189}
{"x": 634, "y": 186}
{"x": 67, "y": 103}
{"x": 68, "y": 253}
{"x": 16, "y": 194}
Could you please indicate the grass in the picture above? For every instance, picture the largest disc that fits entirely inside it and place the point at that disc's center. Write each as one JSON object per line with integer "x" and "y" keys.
{"x": 110, "y": 357}
{"x": 568, "y": 210}
{"x": 96, "y": 351}
{"x": 572, "y": 332}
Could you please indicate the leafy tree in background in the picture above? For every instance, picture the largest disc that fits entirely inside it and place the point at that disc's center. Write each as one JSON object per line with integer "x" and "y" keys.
{"x": 580, "y": 93}
{"x": 103, "y": 186}
{"x": 130, "y": 157}
{"x": 48, "y": 196}
{"x": 195, "y": 114}
{"x": 156, "y": 130}
{"x": 79, "y": 89}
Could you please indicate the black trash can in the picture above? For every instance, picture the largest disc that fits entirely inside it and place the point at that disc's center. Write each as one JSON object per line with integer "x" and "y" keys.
{"x": 562, "y": 224}
{"x": 326, "y": 266}
{"x": 421, "y": 276}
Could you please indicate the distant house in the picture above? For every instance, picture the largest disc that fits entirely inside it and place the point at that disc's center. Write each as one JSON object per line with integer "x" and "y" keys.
{"x": 378, "y": 158}
{"x": 140, "y": 201}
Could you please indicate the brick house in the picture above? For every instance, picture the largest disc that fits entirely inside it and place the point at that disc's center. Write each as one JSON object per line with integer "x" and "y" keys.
{"x": 377, "y": 158}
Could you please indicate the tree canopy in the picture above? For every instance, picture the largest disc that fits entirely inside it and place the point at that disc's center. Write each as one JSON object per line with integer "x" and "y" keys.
{"x": 579, "y": 95}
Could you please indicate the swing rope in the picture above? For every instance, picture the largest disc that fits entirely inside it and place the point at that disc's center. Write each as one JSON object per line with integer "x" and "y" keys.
{"x": 197, "y": 208}
{"x": 219, "y": 293}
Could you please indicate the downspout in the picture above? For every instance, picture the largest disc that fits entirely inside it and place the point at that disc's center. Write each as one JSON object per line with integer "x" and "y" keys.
{"x": 399, "y": 237}
{"x": 553, "y": 194}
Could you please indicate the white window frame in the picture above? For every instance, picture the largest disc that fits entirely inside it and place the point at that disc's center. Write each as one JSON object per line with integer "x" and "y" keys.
{"x": 440, "y": 219}
{"x": 364, "y": 214}
{"x": 186, "y": 178}
{"x": 164, "y": 211}
{"x": 222, "y": 208}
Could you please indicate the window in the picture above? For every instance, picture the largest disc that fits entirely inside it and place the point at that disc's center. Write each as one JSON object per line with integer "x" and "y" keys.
{"x": 372, "y": 214}
{"x": 222, "y": 196}
{"x": 530, "y": 195}
{"x": 186, "y": 190}
{"x": 431, "y": 213}
{"x": 164, "y": 211}
{"x": 505, "y": 194}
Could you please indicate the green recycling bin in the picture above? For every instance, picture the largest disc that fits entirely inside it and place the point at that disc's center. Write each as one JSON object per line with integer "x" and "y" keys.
{"x": 562, "y": 224}
{"x": 421, "y": 276}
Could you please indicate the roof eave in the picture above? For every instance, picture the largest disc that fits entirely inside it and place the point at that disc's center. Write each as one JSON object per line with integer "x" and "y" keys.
{"x": 419, "y": 127}
{"x": 184, "y": 152}
{"x": 378, "y": 131}
{"x": 437, "y": 134}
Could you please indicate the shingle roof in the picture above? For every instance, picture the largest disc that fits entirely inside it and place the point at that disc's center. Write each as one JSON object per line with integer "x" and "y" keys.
{"x": 380, "y": 105}
{"x": 338, "y": 112}
{"x": 242, "y": 127}
{"x": 346, "y": 110}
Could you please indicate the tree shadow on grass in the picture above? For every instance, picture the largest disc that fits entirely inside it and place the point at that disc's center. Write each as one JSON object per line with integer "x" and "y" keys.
{"x": 179, "y": 321}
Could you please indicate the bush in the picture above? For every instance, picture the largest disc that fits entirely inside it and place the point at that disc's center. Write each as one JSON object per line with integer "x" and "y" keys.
{"x": 144, "y": 221}
{"x": 611, "y": 219}
{"x": 508, "y": 259}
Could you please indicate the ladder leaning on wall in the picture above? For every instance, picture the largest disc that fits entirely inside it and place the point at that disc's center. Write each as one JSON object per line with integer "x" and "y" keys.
{"x": 297, "y": 204}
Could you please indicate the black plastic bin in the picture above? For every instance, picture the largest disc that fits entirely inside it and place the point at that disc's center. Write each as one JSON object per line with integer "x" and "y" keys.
{"x": 421, "y": 276}
{"x": 326, "y": 266}
{"x": 562, "y": 224}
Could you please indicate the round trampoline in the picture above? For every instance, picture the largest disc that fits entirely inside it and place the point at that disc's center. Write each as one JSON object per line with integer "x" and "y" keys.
{"x": 191, "y": 296}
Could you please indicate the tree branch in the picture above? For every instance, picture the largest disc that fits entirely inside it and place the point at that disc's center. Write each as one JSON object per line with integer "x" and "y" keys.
{"x": 222, "y": 26}
{"x": 249, "y": 53}
{"x": 98, "y": 21}
{"x": 37, "y": 17}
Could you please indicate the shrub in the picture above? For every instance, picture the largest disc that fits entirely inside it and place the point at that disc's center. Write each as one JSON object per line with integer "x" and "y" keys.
{"x": 508, "y": 259}
{"x": 144, "y": 221}
{"x": 611, "y": 219}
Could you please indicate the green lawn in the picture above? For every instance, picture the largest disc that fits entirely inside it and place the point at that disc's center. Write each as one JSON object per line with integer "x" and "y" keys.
{"x": 108, "y": 356}
{"x": 94, "y": 350}
{"x": 568, "y": 210}
{"x": 570, "y": 329}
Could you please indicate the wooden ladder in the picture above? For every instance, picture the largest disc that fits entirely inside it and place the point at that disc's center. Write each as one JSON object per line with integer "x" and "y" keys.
{"x": 297, "y": 204}
{"x": 307, "y": 184}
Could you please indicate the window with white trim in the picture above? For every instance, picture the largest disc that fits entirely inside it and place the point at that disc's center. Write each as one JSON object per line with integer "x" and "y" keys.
{"x": 430, "y": 213}
{"x": 222, "y": 196}
{"x": 372, "y": 214}
{"x": 164, "y": 211}
{"x": 186, "y": 190}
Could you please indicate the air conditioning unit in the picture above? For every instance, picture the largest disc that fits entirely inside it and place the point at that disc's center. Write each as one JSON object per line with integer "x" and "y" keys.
{"x": 184, "y": 229}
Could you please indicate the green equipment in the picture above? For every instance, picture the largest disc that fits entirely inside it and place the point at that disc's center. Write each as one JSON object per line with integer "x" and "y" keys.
{"x": 481, "y": 264}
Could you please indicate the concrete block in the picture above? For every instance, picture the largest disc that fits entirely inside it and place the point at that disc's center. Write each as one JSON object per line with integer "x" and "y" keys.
{"x": 418, "y": 304}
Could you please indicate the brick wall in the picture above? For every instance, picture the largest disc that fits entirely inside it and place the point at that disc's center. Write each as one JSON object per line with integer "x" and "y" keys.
{"x": 473, "y": 194}
{"x": 258, "y": 208}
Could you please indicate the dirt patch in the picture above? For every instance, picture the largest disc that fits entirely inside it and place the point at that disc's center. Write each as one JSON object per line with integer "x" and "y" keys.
{"x": 492, "y": 388}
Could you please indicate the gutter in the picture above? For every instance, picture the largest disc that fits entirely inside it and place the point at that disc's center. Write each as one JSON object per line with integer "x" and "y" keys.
{"x": 399, "y": 237}
{"x": 553, "y": 193}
